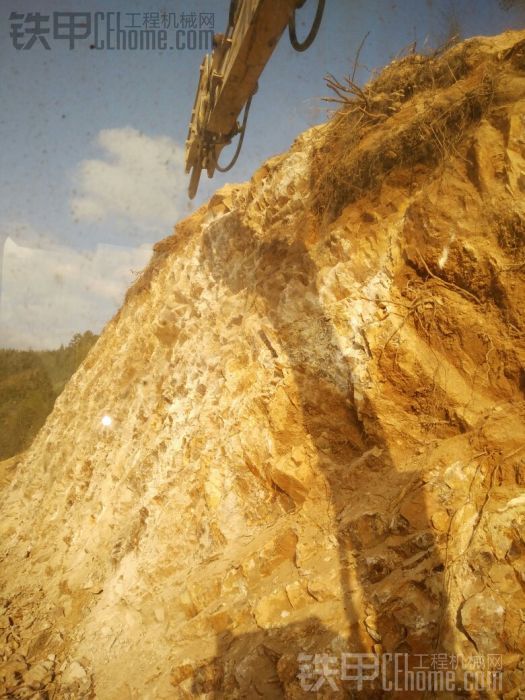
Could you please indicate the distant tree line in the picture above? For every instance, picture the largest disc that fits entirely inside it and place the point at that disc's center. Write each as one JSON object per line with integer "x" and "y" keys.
{"x": 30, "y": 382}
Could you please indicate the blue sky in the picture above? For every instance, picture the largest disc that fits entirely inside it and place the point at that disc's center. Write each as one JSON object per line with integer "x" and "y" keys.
{"x": 91, "y": 142}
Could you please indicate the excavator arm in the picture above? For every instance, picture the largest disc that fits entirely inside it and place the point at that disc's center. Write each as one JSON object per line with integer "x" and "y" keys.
{"x": 229, "y": 76}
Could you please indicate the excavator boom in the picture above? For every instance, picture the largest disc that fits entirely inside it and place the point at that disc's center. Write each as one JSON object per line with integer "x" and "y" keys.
{"x": 229, "y": 78}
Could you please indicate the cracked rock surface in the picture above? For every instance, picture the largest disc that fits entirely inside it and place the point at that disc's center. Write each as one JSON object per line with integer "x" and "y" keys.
{"x": 317, "y": 393}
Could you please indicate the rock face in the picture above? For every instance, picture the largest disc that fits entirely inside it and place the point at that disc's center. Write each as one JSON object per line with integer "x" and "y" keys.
{"x": 317, "y": 445}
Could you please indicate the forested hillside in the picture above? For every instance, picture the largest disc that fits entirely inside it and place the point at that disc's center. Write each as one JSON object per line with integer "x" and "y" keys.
{"x": 30, "y": 381}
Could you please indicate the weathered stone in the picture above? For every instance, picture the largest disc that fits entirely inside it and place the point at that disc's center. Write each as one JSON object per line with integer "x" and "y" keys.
{"x": 74, "y": 673}
{"x": 317, "y": 398}
{"x": 38, "y": 675}
{"x": 273, "y": 609}
{"x": 483, "y": 618}
{"x": 12, "y": 671}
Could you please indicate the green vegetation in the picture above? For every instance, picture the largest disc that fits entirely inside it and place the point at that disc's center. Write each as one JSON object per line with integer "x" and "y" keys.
{"x": 30, "y": 382}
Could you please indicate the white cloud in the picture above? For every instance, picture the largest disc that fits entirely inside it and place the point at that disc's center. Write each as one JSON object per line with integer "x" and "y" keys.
{"x": 139, "y": 180}
{"x": 48, "y": 295}
{"x": 25, "y": 234}
{"x": 49, "y": 291}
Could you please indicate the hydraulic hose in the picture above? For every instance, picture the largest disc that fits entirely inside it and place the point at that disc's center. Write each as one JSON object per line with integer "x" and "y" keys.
{"x": 303, "y": 45}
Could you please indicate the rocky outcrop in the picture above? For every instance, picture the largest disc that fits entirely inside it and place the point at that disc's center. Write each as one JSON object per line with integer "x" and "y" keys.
{"x": 316, "y": 393}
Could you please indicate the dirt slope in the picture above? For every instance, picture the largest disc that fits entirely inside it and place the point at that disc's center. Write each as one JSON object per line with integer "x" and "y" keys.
{"x": 317, "y": 392}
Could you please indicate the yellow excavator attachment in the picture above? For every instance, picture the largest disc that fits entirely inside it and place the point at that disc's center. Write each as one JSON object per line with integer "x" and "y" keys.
{"x": 229, "y": 76}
